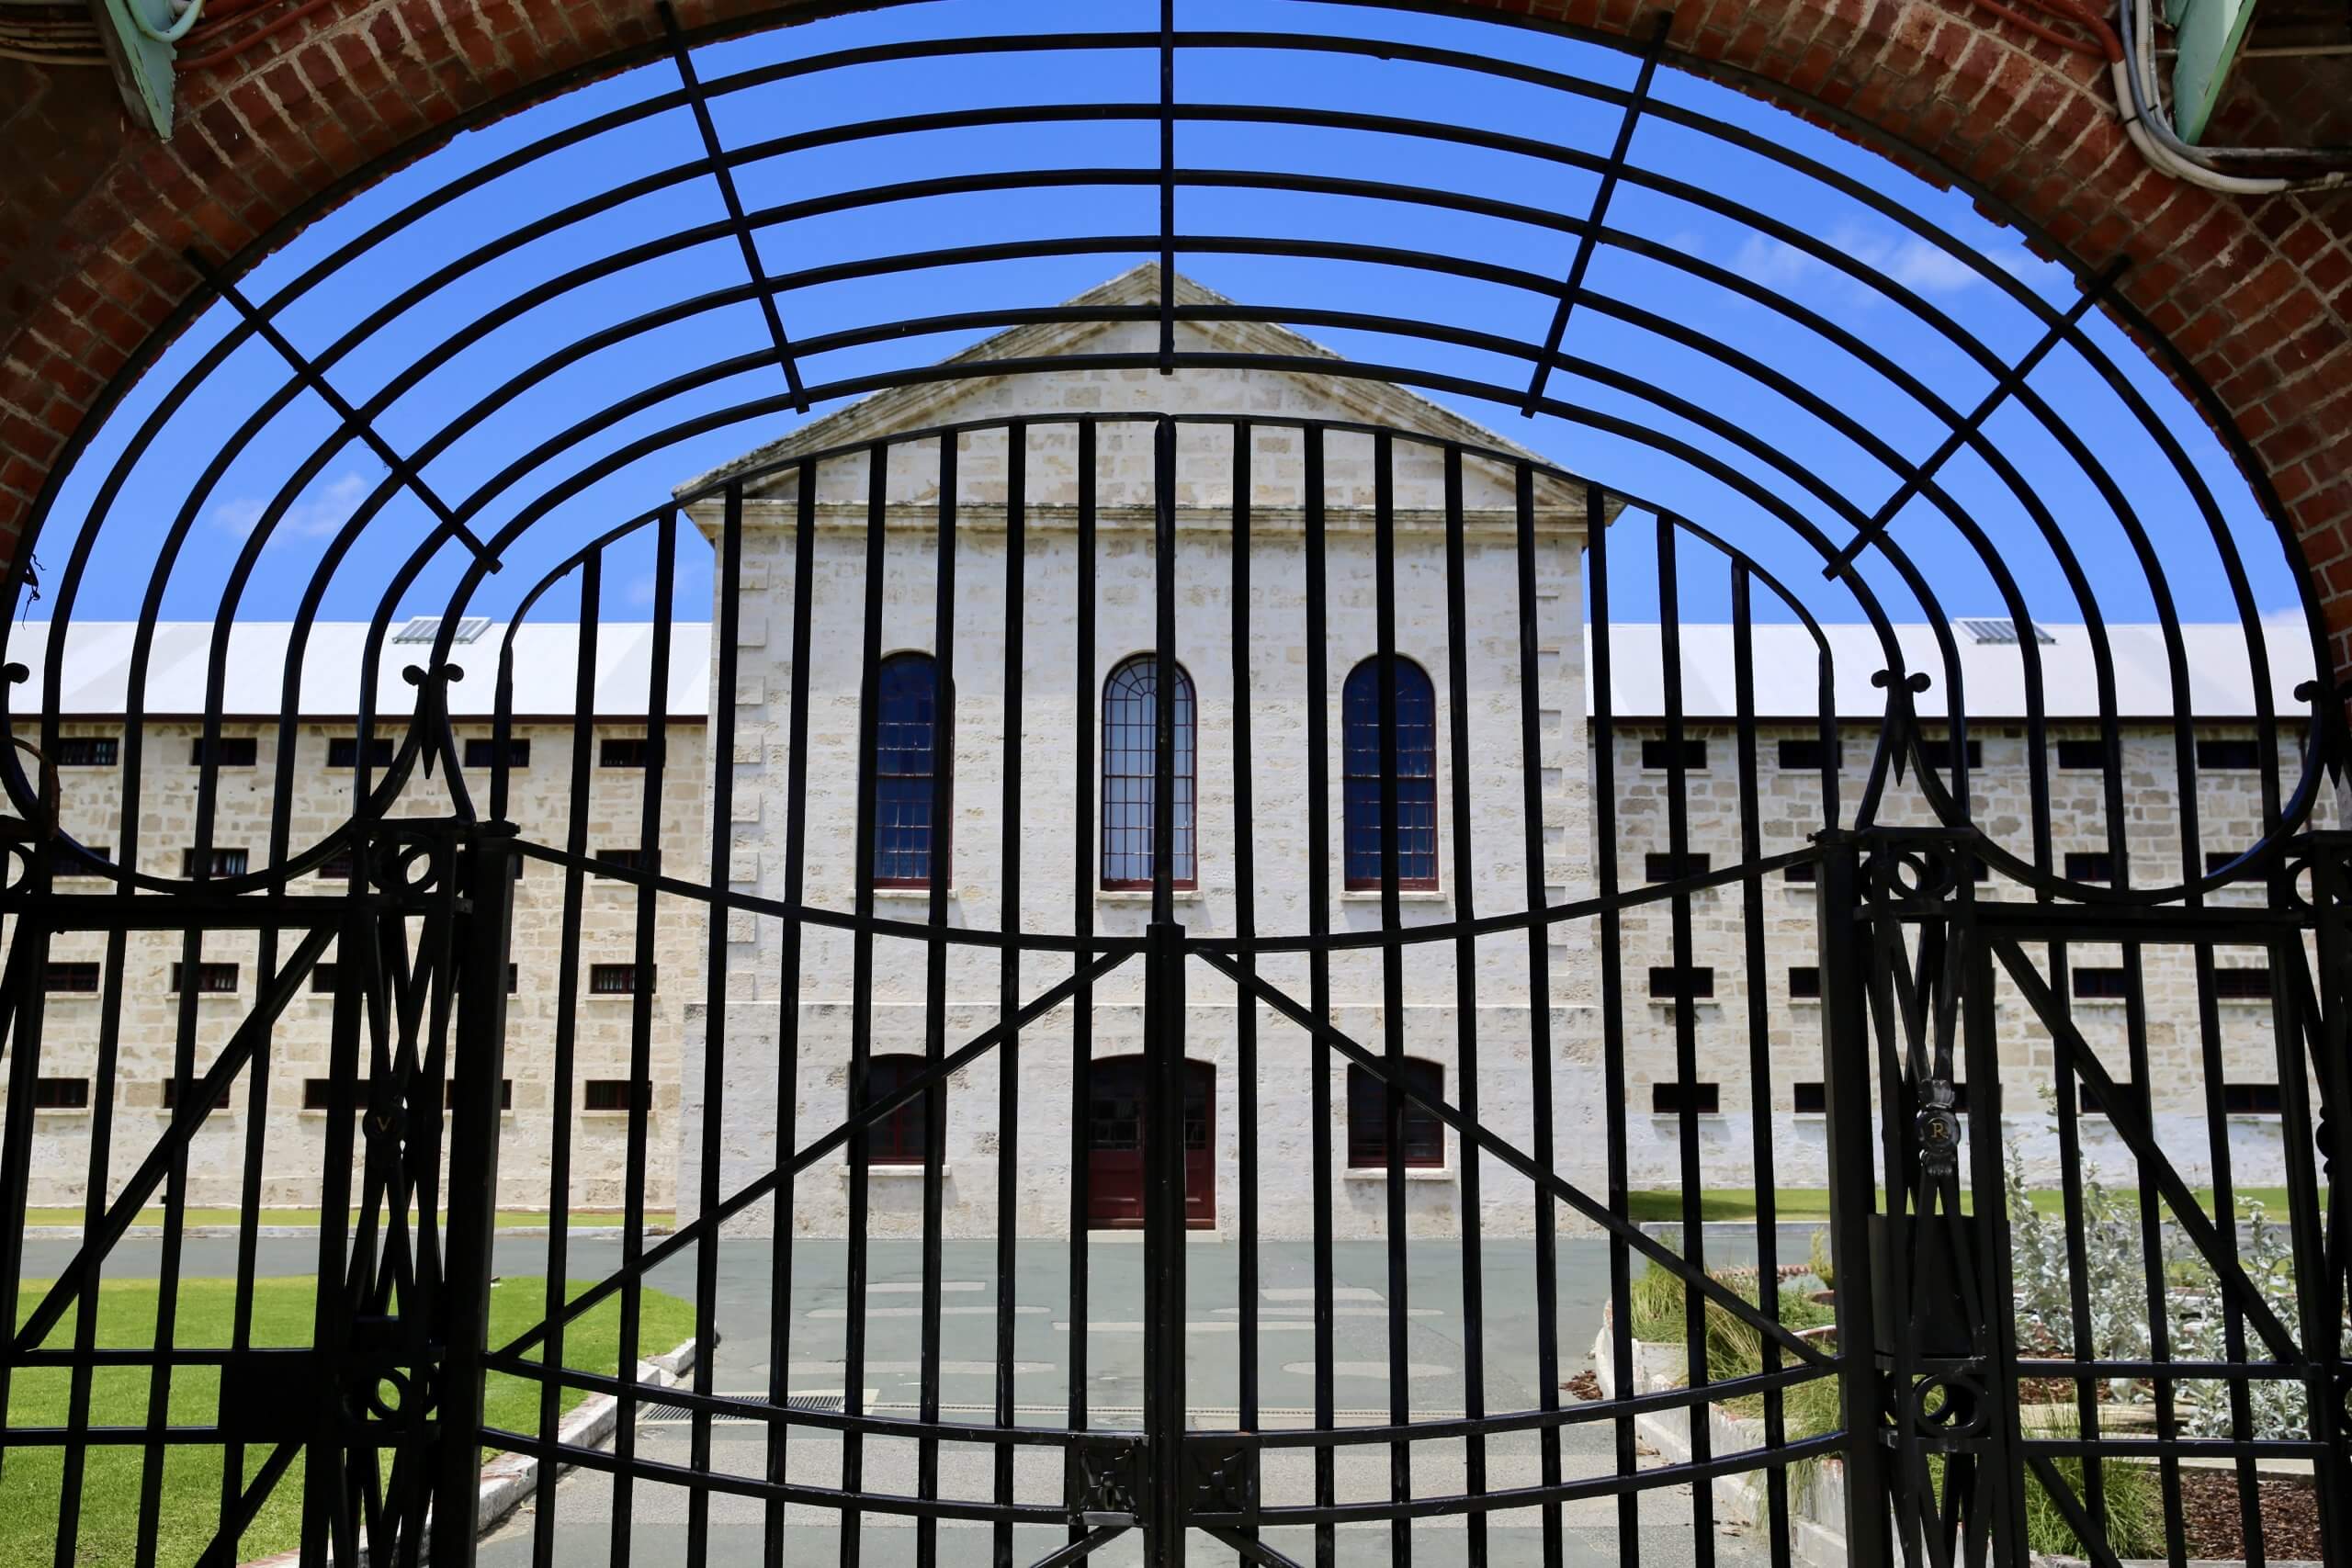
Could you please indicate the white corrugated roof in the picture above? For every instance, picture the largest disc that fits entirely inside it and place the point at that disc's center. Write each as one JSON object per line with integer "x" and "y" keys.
{"x": 98, "y": 661}
{"x": 97, "y": 669}
{"x": 2219, "y": 670}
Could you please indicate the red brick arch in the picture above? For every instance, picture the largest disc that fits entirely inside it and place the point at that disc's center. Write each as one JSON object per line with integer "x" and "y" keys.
{"x": 2256, "y": 293}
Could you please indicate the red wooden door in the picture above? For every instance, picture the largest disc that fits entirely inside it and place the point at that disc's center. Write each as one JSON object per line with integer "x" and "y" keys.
{"x": 1114, "y": 1145}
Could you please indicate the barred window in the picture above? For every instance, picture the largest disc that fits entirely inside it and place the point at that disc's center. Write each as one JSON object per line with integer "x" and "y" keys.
{"x": 1668, "y": 983}
{"x": 1368, "y": 1118}
{"x": 87, "y": 750}
{"x": 1804, "y": 982}
{"x": 2229, "y": 756}
{"x": 1663, "y": 867}
{"x": 1673, "y": 1099}
{"x": 481, "y": 752}
{"x": 216, "y": 862}
{"x": 624, "y": 751}
{"x": 912, "y": 728}
{"x": 1807, "y": 755}
{"x": 1809, "y": 1099}
{"x": 2243, "y": 983}
{"x": 60, "y": 976}
{"x": 210, "y": 978}
{"x": 900, "y": 1137}
{"x": 229, "y": 752}
{"x": 609, "y": 1094}
{"x": 61, "y": 1094}
{"x": 2083, "y": 756}
{"x": 1416, "y": 768}
{"x": 2089, "y": 866}
{"x": 342, "y": 751}
{"x": 618, "y": 979}
{"x": 1130, "y": 763}
{"x": 1661, "y": 754}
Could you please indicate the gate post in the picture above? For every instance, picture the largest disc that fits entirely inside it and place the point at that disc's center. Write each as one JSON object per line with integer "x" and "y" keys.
{"x": 478, "y": 1064}
{"x": 1853, "y": 1191}
{"x": 1163, "y": 1218}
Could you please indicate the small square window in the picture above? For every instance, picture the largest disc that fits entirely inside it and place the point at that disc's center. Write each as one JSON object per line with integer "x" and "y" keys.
{"x": 229, "y": 752}
{"x": 505, "y": 1094}
{"x": 1663, "y": 867}
{"x": 513, "y": 979}
{"x": 318, "y": 1094}
{"x": 1674, "y": 1099}
{"x": 69, "y": 976}
{"x": 1802, "y": 870}
{"x": 342, "y": 751}
{"x": 211, "y": 980}
{"x": 87, "y": 750}
{"x": 1668, "y": 983}
{"x": 2231, "y": 756}
{"x": 61, "y": 1094}
{"x": 2088, "y": 1098}
{"x": 481, "y": 752}
{"x": 172, "y": 1096}
{"x": 1809, "y": 1099}
{"x": 2102, "y": 984}
{"x": 624, "y": 751}
{"x": 216, "y": 863}
{"x": 616, "y": 979}
{"x": 1803, "y": 755}
{"x": 1804, "y": 982}
{"x": 2089, "y": 866}
{"x": 609, "y": 1094}
{"x": 2252, "y": 1099}
{"x": 1660, "y": 754}
{"x": 2083, "y": 756}
{"x": 2243, "y": 983}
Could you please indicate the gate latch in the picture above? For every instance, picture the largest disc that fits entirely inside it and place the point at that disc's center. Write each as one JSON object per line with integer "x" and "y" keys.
{"x": 1105, "y": 1481}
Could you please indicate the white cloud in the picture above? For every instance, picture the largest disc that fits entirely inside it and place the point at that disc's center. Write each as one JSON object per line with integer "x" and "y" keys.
{"x": 1925, "y": 269}
{"x": 322, "y": 510}
{"x": 640, "y": 589}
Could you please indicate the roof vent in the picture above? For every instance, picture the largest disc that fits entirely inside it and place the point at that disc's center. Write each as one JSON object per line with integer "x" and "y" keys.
{"x": 424, "y": 628}
{"x": 1985, "y": 634}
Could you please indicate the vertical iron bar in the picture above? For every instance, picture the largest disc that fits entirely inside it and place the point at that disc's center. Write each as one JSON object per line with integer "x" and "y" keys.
{"x": 1853, "y": 1195}
{"x": 1245, "y": 929}
{"x": 941, "y": 874}
{"x": 1008, "y": 1115}
{"x": 1686, "y": 1042}
{"x": 789, "y": 960}
{"x": 641, "y": 1032}
{"x": 1612, "y": 1006}
{"x": 1392, "y": 977}
{"x": 727, "y": 658}
{"x": 1992, "y": 1285}
{"x": 1539, "y": 1004}
{"x": 94, "y": 1208}
{"x": 323, "y": 1458}
{"x": 1318, "y": 959}
{"x": 861, "y": 1004}
{"x": 1465, "y": 1001}
{"x": 1082, "y": 877}
{"x": 545, "y": 1500}
{"x": 1760, "y": 1045}
{"x": 1166, "y": 190}
{"x": 481, "y": 1067}
{"x": 1163, "y": 1139}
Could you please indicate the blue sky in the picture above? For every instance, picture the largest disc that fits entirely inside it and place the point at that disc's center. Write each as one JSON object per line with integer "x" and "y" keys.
{"x": 159, "y": 486}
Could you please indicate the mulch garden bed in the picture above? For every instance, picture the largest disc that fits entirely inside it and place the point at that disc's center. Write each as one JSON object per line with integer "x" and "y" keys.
{"x": 2208, "y": 1505}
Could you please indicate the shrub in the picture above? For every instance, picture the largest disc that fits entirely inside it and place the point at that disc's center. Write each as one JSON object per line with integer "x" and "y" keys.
{"x": 1818, "y": 1260}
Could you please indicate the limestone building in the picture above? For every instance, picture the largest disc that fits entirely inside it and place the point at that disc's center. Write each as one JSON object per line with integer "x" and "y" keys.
{"x": 1054, "y": 726}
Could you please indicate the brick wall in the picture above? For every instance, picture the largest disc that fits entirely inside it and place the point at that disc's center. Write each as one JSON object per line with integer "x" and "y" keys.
{"x": 94, "y": 215}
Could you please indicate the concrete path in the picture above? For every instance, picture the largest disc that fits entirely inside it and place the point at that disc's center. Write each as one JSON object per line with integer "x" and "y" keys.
{"x": 1436, "y": 1354}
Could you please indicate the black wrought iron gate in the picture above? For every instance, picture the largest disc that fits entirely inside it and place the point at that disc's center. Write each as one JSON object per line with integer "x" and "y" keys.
{"x": 1374, "y": 812}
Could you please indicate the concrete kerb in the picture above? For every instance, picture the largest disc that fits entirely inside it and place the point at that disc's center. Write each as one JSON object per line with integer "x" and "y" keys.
{"x": 507, "y": 1479}
{"x": 1817, "y": 1507}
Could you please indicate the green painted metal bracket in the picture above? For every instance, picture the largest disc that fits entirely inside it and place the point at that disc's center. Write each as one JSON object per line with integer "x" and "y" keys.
{"x": 143, "y": 62}
{"x": 2208, "y": 34}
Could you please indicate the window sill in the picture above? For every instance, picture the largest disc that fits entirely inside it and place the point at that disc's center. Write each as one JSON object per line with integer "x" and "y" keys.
{"x": 613, "y": 1115}
{"x": 1404, "y": 896}
{"x": 912, "y": 894}
{"x": 201, "y": 997}
{"x": 1143, "y": 895}
{"x": 894, "y": 1172}
{"x": 1667, "y": 1004}
{"x": 1674, "y": 1118}
{"x": 1412, "y": 1173}
{"x": 65, "y": 1110}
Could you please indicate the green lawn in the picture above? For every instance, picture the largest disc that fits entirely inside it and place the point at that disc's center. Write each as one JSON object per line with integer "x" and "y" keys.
{"x": 1805, "y": 1204}
{"x": 507, "y": 1218}
{"x": 191, "y": 1482}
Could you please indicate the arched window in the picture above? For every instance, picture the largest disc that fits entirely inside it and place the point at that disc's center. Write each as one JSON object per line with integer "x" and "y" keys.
{"x": 1368, "y": 1118}
{"x": 900, "y": 1137}
{"x": 913, "y": 738}
{"x": 1416, "y": 775}
{"x": 1129, "y": 752}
